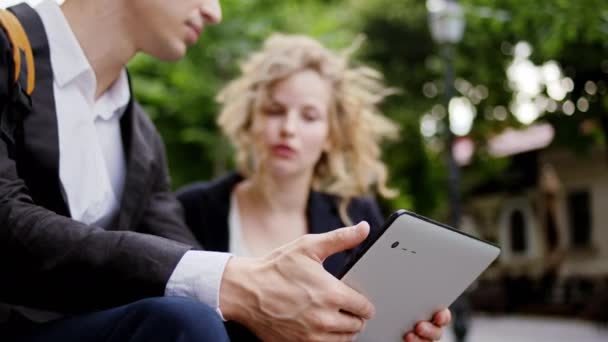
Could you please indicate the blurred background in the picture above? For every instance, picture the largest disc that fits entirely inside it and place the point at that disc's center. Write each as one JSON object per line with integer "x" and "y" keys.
{"x": 504, "y": 123}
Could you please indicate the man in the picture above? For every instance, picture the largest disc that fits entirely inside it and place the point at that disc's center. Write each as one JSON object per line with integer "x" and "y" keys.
{"x": 92, "y": 243}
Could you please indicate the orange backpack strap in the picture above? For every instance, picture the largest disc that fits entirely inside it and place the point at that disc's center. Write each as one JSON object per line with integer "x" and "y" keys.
{"x": 21, "y": 45}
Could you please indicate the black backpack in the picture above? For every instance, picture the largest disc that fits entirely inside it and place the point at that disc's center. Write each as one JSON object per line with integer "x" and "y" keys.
{"x": 15, "y": 93}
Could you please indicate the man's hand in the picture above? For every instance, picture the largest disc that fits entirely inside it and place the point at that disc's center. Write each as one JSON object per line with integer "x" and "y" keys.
{"x": 288, "y": 295}
{"x": 430, "y": 331}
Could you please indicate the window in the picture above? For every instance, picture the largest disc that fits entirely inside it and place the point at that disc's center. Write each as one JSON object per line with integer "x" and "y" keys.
{"x": 579, "y": 212}
{"x": 517, "y": 227}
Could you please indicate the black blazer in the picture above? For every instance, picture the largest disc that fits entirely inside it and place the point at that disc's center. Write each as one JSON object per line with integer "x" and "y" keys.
{"x": 49, "y": 261}
{"x": 207, "y": 205}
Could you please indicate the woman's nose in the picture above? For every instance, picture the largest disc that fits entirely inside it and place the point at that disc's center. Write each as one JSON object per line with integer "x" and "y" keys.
{"x": 289, "y": 123}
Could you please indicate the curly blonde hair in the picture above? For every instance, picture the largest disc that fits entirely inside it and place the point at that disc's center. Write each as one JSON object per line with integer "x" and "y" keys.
{"x": 352, "y": 167}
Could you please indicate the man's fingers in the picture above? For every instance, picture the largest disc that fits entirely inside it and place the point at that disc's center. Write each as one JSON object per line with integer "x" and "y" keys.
{"x": 321, "y": 246}
{"x": 428, "y": 331}
{"x": 411, "y": 337}
{"x": 341, "y": 337}
{"x": 354, "y": 303}
{"x": 344, "y": 323}
{"x": 442, "y": 318}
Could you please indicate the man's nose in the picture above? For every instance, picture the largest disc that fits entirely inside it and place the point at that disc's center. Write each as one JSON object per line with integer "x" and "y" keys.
{"x": 211, "y": 12}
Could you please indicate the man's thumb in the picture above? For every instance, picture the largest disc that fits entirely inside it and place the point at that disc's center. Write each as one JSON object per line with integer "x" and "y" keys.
{"x": 327, "y": 244}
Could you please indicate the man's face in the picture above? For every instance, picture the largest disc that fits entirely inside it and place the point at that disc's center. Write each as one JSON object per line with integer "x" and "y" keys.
{"x": 165, "y": 28}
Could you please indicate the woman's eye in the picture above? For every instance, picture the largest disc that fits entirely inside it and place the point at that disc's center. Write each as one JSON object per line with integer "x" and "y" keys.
{"x": 274, "y": 110}
{"x": 311, "y": 115}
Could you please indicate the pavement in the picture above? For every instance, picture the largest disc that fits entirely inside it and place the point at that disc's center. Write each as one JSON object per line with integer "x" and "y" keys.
{"x": 531, "y": 329}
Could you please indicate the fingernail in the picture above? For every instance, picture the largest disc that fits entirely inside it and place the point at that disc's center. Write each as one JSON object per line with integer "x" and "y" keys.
{"x": 360, "y": 224}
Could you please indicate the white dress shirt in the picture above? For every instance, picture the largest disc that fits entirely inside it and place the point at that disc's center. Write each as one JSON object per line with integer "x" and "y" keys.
{"x": 236, "y": 241}
{"x": 91, "y": 157}
{"x": 92, "y": 166}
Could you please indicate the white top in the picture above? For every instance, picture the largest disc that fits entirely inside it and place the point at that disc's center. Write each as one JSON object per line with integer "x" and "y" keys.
{"x": 92, "y": 166}
{"x": 236, "y": 244}
{"x": 92, "y": 163}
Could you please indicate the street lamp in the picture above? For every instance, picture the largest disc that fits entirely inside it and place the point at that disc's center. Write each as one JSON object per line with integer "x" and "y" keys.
{"x": 446, "y": 21}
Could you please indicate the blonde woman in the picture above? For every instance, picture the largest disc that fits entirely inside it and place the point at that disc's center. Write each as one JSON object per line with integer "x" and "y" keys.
{"x": 306, "y": 128}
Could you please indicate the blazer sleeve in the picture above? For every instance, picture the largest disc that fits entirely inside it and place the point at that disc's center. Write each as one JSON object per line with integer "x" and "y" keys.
{"x": 6, "y": 66}
{"x": 164, "y": 215}
{"x": 51, "y": 262}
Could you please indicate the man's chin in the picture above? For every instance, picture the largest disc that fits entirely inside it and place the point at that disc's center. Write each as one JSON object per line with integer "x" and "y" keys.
{"x": 171, "y": 54}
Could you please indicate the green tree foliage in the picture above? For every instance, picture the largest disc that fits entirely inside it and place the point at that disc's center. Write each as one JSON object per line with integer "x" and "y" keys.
{"x": 180, "y": 97}
{"x": 574, "y": 34}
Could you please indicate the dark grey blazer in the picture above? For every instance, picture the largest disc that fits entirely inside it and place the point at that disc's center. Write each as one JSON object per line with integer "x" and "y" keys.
{"x": 49, "y": 261}
{"x": 207, "y": 205}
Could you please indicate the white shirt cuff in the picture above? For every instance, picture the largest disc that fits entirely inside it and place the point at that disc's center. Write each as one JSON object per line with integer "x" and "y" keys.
{"x": 199, "y": 275}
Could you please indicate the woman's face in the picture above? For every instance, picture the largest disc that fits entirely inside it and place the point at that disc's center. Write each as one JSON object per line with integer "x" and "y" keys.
{"x": 292, "y": 125}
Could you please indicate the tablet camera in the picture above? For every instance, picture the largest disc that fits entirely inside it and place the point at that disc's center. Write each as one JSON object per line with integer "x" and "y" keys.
{"x": 395, "y": 244}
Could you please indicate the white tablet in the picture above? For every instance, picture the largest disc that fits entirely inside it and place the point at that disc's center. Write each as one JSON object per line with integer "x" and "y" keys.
{"x": 412, "y": 268}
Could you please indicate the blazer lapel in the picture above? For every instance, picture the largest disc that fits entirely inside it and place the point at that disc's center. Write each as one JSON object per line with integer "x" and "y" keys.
{"x": 40, "y": 135}
{"x": 139, "y": 155}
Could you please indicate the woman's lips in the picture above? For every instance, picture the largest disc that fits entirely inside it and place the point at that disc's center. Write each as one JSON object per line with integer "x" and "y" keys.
{"x": 283, "y": 151}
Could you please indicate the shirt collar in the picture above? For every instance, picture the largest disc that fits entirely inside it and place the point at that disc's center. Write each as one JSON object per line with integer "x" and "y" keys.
{"x": 115, "y": 99}
{"x": 67, "y": 58}
{"x": 70, "y": 64}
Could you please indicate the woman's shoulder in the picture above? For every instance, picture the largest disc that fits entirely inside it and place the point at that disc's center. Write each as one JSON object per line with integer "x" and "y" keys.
{"x": 364, "y": 202}
{"x": 365, "y": 208}
{"x": 206, "y": 207}
{"x": 216, "y": 188}
{"x": 361, "y": 208}
{"x": 359, "y": 201}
